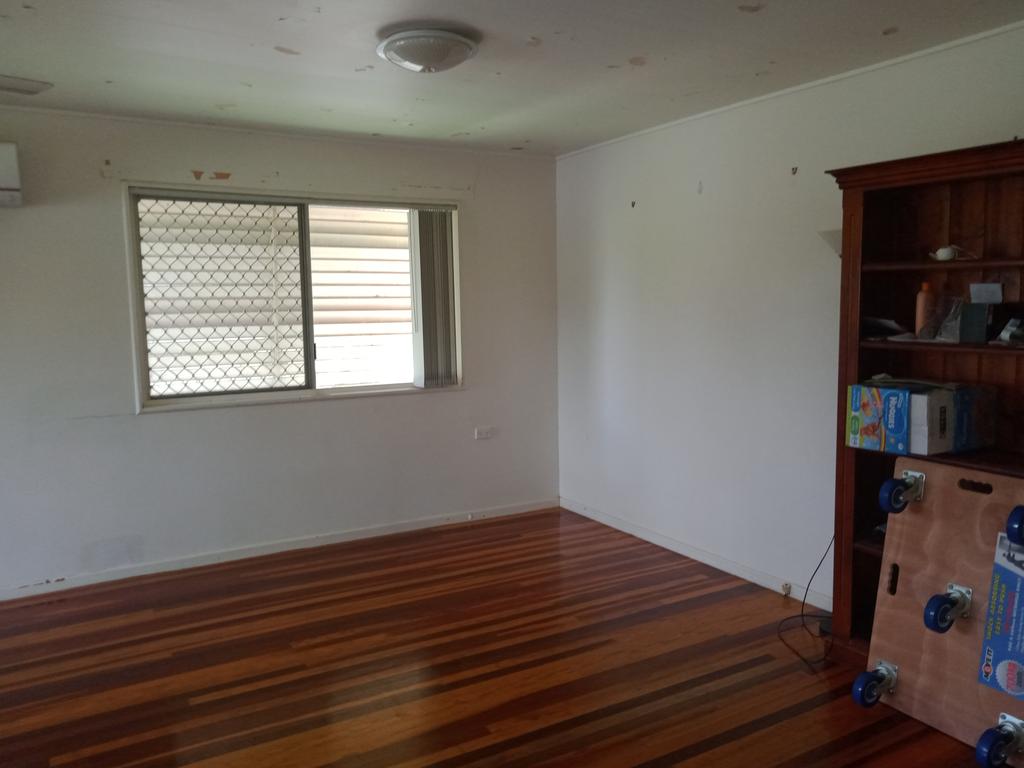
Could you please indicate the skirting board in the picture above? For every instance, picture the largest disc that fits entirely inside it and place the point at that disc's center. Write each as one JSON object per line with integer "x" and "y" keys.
{"x": 304, "y": 542}
{"x": 774, "y": 583}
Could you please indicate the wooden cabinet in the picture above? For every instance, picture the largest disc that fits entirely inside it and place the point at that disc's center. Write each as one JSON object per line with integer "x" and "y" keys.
{"x": 894, "y": 214}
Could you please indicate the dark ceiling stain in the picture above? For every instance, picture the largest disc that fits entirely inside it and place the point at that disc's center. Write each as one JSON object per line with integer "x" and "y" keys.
{"x": 247, "y": 85}
{"x": 751, "y": 8}
{"x": 761, "y": 73}
{"x": 890, "y": 31}
{"x": 287, "y": 51}
{"x": 614, "y": 66}
{"x": 638, "y": 61}
{"x": 515, "y": 149}
{"x": 534, "y": 41}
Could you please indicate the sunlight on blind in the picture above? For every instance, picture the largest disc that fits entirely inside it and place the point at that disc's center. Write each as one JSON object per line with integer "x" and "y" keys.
{"x": 362, "y": 296}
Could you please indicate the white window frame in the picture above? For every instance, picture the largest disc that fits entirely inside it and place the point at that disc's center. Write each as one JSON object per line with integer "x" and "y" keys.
{"x": 144, "y": 403}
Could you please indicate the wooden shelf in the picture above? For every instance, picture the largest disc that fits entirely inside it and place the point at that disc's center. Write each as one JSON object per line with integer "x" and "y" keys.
{"x": 986, "y": 460}
{"x": 979, "y": 265}
{"x": 852, "y": 651}
{"x": 935, "y": 346}
{"x": 1000, "y": 462}
{"x": 894, "y": 214}
{"x": 869, "y": 546}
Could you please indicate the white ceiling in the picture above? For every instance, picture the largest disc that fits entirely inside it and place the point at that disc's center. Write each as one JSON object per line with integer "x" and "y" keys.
{"x": 550, "y": 76}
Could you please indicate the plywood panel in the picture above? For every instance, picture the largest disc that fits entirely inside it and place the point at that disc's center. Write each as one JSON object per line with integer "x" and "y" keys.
{"x": 949, "y": 536}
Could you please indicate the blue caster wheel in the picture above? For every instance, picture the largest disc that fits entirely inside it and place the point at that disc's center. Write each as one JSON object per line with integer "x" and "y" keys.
{"x": 1015, "y": 526}
{"x": 993, "y": 747}
{"x": 867, "y": 688}
{"x": 891, "y": 496}
{"x": 940, "y": 613}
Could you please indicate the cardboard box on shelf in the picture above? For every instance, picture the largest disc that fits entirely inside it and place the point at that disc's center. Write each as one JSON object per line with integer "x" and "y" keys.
{"x": 932, "y": 422}
{"x": 878, "y": 418}
{"x": 975, "y": 409}
{"x": 901, "y": 419}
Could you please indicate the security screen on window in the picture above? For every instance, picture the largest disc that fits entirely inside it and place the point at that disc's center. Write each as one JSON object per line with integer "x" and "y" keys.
{"x": 259, "y": 295}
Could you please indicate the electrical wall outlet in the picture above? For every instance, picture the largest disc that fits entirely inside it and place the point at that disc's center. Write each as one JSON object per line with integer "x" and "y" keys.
{"x": 484, "y": 433}
{"x": 787, "y": 588}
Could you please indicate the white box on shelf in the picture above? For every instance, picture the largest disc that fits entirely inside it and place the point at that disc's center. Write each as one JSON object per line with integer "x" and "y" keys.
{"x": 932, "y": 422}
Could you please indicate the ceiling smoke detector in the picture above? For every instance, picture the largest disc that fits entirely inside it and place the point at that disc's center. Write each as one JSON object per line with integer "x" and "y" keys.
{"x": 426, "y": 50}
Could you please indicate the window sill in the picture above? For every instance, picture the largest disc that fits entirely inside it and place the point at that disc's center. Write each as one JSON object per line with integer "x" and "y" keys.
{"x": 242, "y": 400}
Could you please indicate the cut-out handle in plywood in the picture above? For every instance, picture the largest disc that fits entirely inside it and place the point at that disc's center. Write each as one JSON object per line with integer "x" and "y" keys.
{"x": 894, "y": 578}
{"x": 974, "y": 486}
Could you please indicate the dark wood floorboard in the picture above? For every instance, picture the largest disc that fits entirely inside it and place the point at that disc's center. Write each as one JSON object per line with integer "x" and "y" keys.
{"x": 542, "y": 639}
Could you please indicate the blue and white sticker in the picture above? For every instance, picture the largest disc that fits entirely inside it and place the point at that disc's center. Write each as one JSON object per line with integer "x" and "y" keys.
{"x": 1002, "y": 652}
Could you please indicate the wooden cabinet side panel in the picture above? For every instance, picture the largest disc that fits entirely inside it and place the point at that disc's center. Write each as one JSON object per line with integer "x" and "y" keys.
{"x": 849, "y": 347}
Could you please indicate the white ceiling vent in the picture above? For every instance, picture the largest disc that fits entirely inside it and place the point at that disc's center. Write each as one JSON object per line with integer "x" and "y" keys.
{"x": 23, "y": 86}
{"x": 426, "y": 50}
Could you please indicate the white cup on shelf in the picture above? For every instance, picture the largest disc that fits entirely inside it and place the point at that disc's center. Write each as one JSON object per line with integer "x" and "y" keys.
{"x": 951, "y": 253}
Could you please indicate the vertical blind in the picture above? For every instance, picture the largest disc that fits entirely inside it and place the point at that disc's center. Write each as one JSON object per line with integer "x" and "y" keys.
{"x": 222, "y": 294}
{"x": 436, "y": 238}
{"x": 362, "y": 295}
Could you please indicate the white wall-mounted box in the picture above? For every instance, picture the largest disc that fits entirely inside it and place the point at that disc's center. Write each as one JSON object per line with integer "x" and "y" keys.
{"x": 10, "y": 179}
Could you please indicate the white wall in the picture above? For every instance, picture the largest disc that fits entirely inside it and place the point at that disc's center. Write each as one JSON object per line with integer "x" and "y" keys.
{"x": 86, "y": 486}
{"x": 698, "y": 331}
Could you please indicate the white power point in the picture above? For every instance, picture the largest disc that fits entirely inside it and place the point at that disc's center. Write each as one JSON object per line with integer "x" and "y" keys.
{"x": 484, "y": 433}
{"x": 787, "y": 588}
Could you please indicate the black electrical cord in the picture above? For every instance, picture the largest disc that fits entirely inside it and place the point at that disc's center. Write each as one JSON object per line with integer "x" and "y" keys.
{"x": 803, "y": 616}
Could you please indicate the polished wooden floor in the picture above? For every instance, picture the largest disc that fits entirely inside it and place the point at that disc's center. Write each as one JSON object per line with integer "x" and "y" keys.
{"x": 536, "y": 640}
